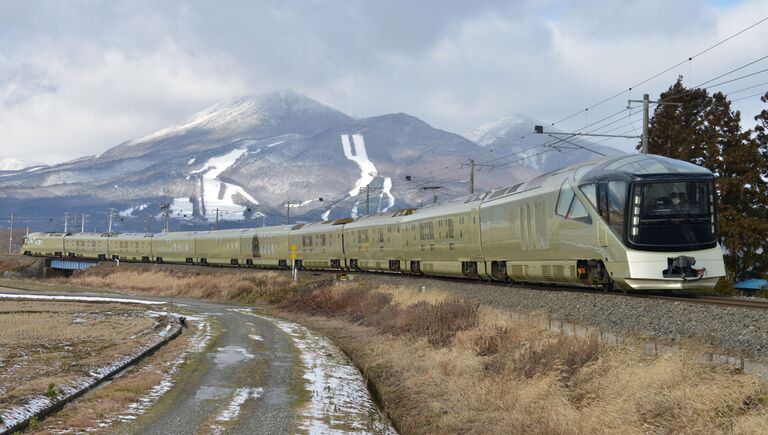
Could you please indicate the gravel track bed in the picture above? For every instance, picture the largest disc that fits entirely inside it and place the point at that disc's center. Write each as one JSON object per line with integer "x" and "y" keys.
{"x": 731, "y": 328}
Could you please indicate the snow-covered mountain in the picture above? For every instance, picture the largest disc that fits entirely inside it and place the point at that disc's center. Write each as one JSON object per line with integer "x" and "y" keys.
{"x": 14, "y": 164}
{"x": 245, "y": 159}
{"x": 512, "y": 140}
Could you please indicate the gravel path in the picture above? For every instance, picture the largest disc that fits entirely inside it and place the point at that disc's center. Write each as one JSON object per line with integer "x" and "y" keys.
{"x": 731, "y": 328}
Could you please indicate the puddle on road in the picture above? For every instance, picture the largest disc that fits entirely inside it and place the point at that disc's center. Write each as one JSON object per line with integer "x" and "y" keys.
{"x": 211, "y": 392}
{"x": 229, "y": 355}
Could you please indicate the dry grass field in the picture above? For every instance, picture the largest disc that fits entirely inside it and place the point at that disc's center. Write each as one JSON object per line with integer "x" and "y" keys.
{"x": 443, "y": 365}
{"x": 106, "y": 405}
{"x": 46, "y": 343}
{"x": 240, "y": 288}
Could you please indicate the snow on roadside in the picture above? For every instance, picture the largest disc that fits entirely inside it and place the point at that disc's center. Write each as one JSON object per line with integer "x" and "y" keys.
{"x": 80, "y": 298}
{"x": 340, "y": 402}
{"x": 198, "y": 343}
{"x": 233, "y": 409}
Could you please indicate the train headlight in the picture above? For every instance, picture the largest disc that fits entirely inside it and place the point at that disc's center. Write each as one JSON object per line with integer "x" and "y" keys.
{"x": 636, "y": 215}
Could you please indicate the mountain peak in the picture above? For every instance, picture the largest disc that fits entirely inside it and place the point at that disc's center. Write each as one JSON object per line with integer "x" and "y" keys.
{"x": 246, "y": 113}
{"x": 488, "y": 133}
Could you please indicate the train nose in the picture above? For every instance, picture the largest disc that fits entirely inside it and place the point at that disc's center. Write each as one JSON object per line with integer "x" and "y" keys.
{"x": 682, "y": 267}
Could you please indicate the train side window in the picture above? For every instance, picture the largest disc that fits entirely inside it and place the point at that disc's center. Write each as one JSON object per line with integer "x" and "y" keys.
{"x": 578, "y": 212}
{"x": 564, "y": 199}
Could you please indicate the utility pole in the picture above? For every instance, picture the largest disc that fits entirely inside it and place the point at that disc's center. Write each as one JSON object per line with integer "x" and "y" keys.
{"x": 165, "y": 207}
{"x": 112, "y": 212}
{"x": 288, "y": 212}
{"x": 217, "y": 219}
{"x": 149, "y": 223}
{"x": 646, "y": 118}
{"x": 84, "y": 218}
{"x": 471, "y": 176}
{"x": 66, "y": 222}
{"x": 472, "y": 165}
{"x": 10, "y": 237}
{"x": 646, "y": 104}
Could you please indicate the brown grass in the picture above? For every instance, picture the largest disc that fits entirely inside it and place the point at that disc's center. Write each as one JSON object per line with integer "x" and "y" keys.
{"x": 476, "y": 370}
{"x": 45, "y": 343}
{"x": 240, "y": 288}
{"x": 443, "y": 365}
{"x": 107, "y": 402}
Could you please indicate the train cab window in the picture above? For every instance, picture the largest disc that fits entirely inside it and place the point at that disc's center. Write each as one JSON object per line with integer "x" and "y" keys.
{"x": 590, "y": 191}
{"x": 564, "y": 199}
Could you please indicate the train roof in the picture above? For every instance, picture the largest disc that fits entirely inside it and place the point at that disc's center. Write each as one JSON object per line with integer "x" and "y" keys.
{"x": 637, "y": 165}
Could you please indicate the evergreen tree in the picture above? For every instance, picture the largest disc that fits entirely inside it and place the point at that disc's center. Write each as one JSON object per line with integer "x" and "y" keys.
{"x": 703, "y": 130}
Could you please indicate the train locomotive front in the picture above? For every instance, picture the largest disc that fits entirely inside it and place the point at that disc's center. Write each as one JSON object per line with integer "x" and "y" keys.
{"x": 659, "y": 222}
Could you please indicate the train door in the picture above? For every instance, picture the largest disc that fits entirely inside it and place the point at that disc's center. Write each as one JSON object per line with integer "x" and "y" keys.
{"x": 255, "y": 248}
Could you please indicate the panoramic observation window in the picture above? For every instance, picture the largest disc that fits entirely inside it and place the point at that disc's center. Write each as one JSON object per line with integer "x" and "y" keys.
{"x": 674, "y": 214}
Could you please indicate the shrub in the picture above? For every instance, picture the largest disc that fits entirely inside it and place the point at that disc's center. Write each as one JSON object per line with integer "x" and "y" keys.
{"x": 52, "y": 393}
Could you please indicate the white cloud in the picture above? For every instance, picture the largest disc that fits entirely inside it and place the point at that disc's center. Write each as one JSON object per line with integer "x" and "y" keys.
{"x": 78, "y": 79}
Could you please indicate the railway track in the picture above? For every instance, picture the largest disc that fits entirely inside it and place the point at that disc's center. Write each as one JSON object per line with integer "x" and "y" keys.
{"x": 713, "y": 300}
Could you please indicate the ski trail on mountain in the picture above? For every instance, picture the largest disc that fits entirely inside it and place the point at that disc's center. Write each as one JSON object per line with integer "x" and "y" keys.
{"x": 360, "y": 156}
{"x": 216, "y": 193}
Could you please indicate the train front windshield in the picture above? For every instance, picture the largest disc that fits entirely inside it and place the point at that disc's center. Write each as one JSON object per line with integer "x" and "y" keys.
{"x": 674, "y": 215}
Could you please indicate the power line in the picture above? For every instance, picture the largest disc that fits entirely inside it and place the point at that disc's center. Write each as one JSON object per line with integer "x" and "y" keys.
{"x": 750, "y": 96}
{"x": 664, "y": 71}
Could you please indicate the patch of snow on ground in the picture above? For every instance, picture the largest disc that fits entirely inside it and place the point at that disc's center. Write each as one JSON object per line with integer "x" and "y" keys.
{"x": 339, "y": 402}
{"x": 255, "y": 337}
{"x": 217, "y": 193}
{"x": 79, "y": 298}
{"x": 360, "y": 156}
{"x": 192, "y": 160}
{"x": 241, "y": 395}
{"x": 275, "y": 144}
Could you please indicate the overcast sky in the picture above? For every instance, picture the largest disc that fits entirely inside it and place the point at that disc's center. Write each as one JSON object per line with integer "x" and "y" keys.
{"x": 78, "y": 77}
